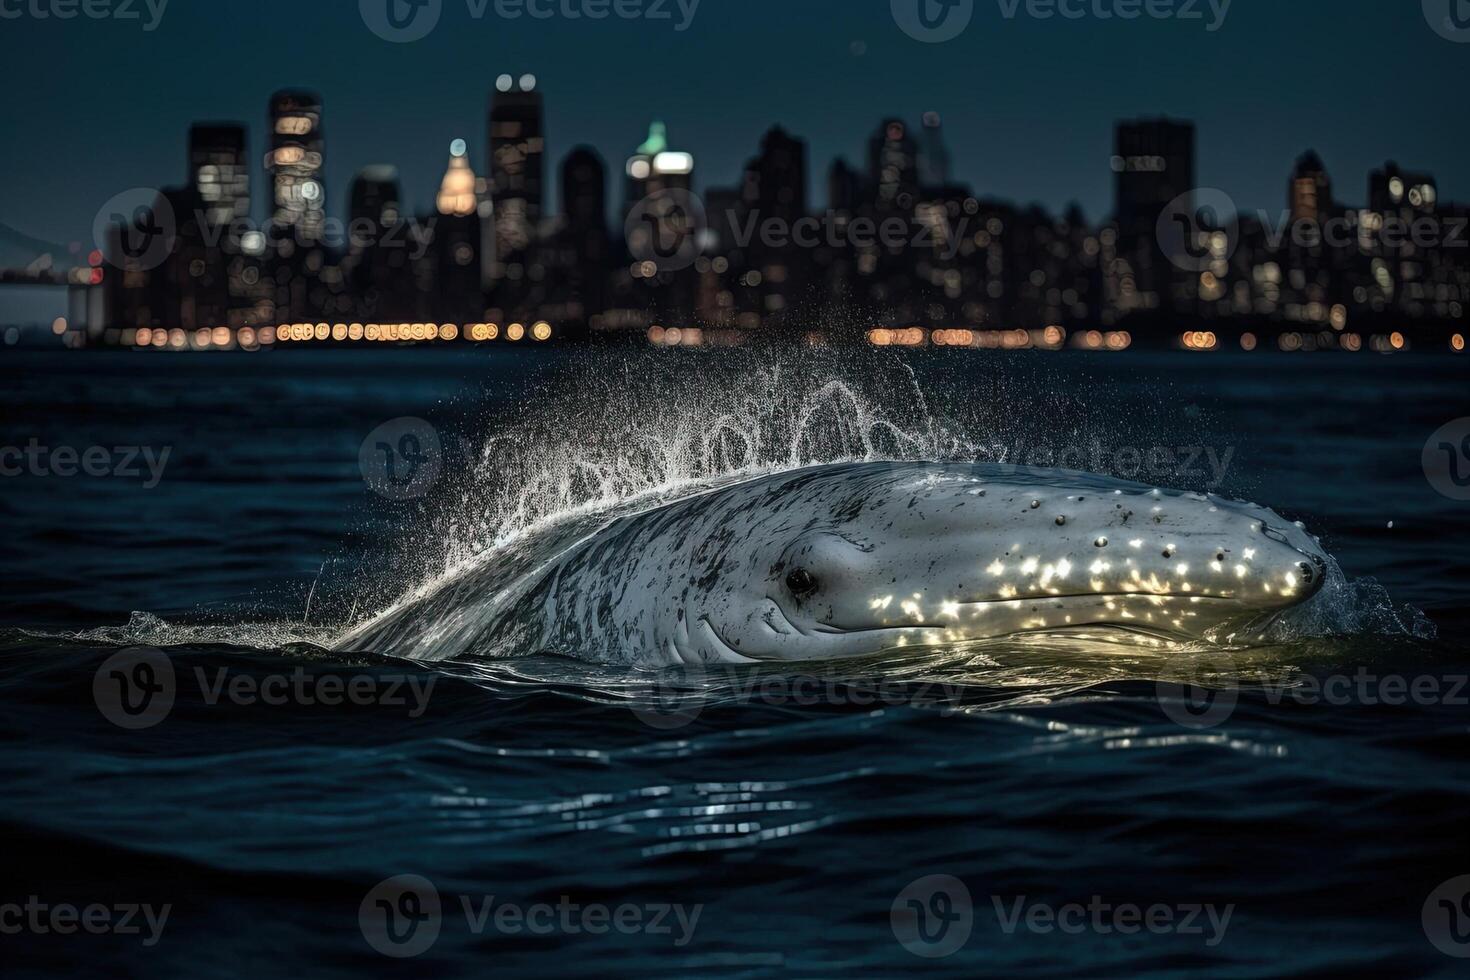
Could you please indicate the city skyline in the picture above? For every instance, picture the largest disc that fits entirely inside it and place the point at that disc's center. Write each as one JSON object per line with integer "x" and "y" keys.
{"x": 756, "y": 258}
{"x": 1029, "y": 107}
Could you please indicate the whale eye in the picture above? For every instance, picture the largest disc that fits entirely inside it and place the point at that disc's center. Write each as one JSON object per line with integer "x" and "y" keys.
{"x": 801, "y": 582}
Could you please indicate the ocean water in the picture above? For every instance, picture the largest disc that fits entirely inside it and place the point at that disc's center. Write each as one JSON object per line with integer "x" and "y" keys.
{"x": 178, "y": 738}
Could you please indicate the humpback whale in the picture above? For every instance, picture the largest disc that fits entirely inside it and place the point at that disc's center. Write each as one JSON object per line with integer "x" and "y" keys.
{"x": 849, "y": 559}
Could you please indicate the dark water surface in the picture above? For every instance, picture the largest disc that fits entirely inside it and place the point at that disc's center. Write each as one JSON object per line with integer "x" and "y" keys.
{"x": 1319, "y": 798}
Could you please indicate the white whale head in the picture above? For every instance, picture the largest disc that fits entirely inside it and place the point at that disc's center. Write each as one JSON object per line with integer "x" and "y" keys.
{"x": 846, "y": 560}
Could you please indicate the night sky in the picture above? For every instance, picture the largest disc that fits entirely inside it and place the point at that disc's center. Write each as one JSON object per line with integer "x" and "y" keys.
{"x": 96, "y": 107}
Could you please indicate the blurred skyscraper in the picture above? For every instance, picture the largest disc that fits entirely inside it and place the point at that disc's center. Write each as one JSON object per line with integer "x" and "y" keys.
{"x": 1153, "y": 163}
{"x": 583, "y": 260}
{"x": 457, "y": 292}
{"x": 517, "y": 143}
{"x": 295, "y": 165}
{"x": 376, "y": 196}
{"x": 1311, "y": 189}
{"x": 380, "y": 242}
{"x": 220, "y": 170}
{"x": 893, "y": 165}
{"x": 934, "y": 165}
{"x": 1392, "y": 190}
{"x": 655, "y": 167}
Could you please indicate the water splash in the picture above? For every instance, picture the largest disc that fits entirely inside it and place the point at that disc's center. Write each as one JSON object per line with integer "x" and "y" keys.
{"x": 1351, "y": 607}
{"x": 656, "y": 429}
{"x": 146, "y": 629}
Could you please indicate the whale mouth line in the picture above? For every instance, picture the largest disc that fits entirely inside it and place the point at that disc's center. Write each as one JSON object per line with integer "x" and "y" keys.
{"x": 829, "y": 629}
{"x": 715, "y": 634}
